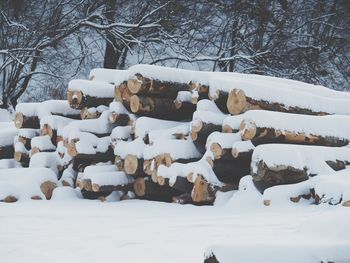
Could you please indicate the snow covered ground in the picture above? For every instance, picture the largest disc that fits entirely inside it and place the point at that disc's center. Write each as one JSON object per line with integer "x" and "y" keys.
{"x": 74, "y": 230}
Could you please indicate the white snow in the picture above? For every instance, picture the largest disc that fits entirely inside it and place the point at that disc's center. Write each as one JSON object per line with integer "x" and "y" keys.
{"x": 316, "y": 125}
{"x": 144, "y": 125}
{"x": 105, "y": 75}
{"x": 8, "y": 163}
{"x": 65, "y": 193}
{"x": 46, "y": 159}
{"x": 225, "y": 140}
{"x": 121, "y": 133}
{"x": 24, "y": 183}
{"x": 177, "y": 149}
{"x": 109, "y": 178}
{"x": 299, "y": 156}
{"x": 97, "y": 126}
{"x": 118, "y": 107}
{"x": 135, "y": 147}
{"x": 79, "y": 226}
{"x": 243, "y": 146}
{"x": 163, "y": 134}
{"x": 42, "y": 143}
{"x": 5, "y": 116}
{"x": 92, "y": 88}
{"x": 7, "y": 136}
{"x": 28, "y": 133}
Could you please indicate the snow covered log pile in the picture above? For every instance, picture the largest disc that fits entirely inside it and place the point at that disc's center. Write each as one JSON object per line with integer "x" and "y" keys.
{"x": 182, "y": 136}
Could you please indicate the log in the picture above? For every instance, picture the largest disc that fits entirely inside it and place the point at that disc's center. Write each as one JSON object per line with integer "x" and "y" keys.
{"x": 46, "y": 129}
{"x": 23, "y": 121}
{"x": 162, "y": 108}
{"x": 120, "y": 119}
{"x": 47, "y": 188}
{"x": 9, "y": 199}
{"x": 201, "y": 130}
{"x": 183, "y": 199}
{"x": 87, "y": 113}
{"x": 80, "y": 161}
{"x": 6, "y": 152}
{"x": 123, "y": 95}
{"x": 238, "y": 102}
{"x": 181, "y": 184}
{"x": 78, "y": 100}
{"x": 230, "y": 171}
{"x": 156, "y": 88}
{"x": 23, "y": 158}
{"x": 220, "y": 100}
{"x": 119, "y": 162}
{"x": 262, "y": 131}
{"x": 148, "y": 190}
{"x": 204, "y": 192}
{"x": 133, "y": 165}
{"x": 269, "y": 169}
{"x": 111, "y": 188}
{"x": 94, "y": 195}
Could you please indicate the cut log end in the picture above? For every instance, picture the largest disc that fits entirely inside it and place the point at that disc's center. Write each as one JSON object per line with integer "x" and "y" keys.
{"x": 139, "y": 187}
{"x": 130, "y": 164}
{"x": 71, "y": 149}
{"x": 236, "y": 102}
{"x": 19, "y": 119}
{"x": 200, "y": 192}
{"x": 134, "y": 103}
{"x": 75, "y": 99}
{"x": 134, "y": 85}
{"x": 47, "y": 189}
{"x": 247, "y": 129}
{"x": 227, "y": 129}
{"x": 197, "y": 126}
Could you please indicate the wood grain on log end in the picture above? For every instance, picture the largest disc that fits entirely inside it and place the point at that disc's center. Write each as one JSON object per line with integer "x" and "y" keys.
{"x": 130, "y": 164}
{"x": 139, "y": 187}
{"x": 134, "y": 103}
{"x": 10, "y": 199}
{"x": 346, "y": 203}
{"x": 267, "y": 202}
{"x": 75, "y": 99}
{"x": 135, "y": 84}
{"x": 236, "y": 102}
{"x": 217, "y": 150}
{"x": 19, "y": 118}
{"x": 47, "y": 188}
{"x": 247, "y": 129}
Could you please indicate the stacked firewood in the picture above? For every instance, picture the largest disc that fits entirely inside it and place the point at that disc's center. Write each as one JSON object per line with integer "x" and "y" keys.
{"x": 180, "y": 136}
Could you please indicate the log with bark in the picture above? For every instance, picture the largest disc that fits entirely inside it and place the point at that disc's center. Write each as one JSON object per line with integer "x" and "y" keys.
{"x": 85, "y": 93}
{"x": 42, "y": 144}
{"x": 146, "y": 189}
{"x": 80, "y": 161}
{"x": 21, "y": 154}
{"x": 278, "y": 127}
{"x": 204, "y": 192}
{"x": 119, "y": 115}
{"x": 156, "y": 88}
{"x": 25, "y": 136}
{"x": 230, "y": 171}
{"x": 278, "y": 164}
{"x": 162, "y": 108}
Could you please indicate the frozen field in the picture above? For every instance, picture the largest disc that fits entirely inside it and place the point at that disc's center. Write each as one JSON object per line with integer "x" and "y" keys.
{"x": 141, "y": 231}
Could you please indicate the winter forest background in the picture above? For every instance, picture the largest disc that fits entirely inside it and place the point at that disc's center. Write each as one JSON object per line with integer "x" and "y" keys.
{"x": 45, "y": 43}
